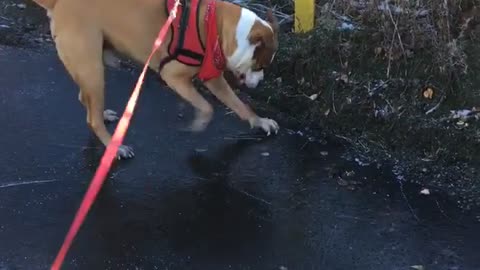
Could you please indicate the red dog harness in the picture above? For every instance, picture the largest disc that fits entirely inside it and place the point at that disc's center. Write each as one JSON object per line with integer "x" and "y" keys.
{"x": 186, "y": 45}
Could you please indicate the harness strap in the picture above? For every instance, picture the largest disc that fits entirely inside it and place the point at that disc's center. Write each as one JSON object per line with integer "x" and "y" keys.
{"x": 183, "y": 24}
{"x": 179, "y": 50}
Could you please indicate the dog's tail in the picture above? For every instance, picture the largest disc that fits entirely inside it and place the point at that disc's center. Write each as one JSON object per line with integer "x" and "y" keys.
{"x": 46, "y": 4}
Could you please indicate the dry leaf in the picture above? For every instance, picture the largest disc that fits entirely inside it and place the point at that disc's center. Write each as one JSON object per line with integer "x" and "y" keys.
{"x": 425, "y": 191}
{"x": 409, "y": 53}
{"x": 327, "y": 112}
{"x": 349, "y": 173}
{"x": 314, "y": 96}
{"x": 342, "y": 182}
{"x": 428, "y": 93}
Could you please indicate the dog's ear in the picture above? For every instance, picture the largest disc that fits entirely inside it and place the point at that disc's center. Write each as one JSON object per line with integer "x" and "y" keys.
{"x": 272, "y": 19}
{"x": 262, "y": 38}
{"x": 261, "y": 35}
{"x": 257, "y": 37}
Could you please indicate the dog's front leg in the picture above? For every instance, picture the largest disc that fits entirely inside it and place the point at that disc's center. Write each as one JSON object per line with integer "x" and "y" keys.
{"x": 182, "y": 84}
{"x": 222, "y": 90}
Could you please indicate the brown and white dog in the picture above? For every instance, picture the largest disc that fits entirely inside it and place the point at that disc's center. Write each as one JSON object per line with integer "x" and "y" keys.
{"x": 82, "y": 28}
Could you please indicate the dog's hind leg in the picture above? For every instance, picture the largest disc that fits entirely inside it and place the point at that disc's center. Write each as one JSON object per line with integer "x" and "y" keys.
{"x": 80, "y": 47}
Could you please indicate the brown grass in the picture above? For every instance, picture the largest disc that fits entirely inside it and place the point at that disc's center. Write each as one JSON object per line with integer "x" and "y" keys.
{"x": 402, "y": 29}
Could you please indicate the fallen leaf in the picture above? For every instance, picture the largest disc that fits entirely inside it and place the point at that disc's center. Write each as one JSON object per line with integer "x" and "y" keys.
{"x": 344, "y": 78}
{"x": 409, "y": 53}
{"x": 313, "y": 97}
{"x": 327, "y": 112}
{"x": 425, "y": 191}
{"x": 428, "y": 93}
{"x": 349, "y": 173}
{"x": 342, "y": 182}
{"x": 418, "y": 267}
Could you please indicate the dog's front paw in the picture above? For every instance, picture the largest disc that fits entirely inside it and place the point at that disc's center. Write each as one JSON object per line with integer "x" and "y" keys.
{"x": 268, "y": 125}
{"x": 125, "y": 152}
{"x": 110, "y": 116}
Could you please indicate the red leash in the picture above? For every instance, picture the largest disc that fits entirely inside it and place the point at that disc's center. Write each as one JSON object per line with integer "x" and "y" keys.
{"x": 111, "y": 151}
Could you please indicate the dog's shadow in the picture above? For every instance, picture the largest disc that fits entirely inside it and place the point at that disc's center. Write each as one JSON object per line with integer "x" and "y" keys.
{"x": 217, "y": 167}
{"x": 209, "y": 217}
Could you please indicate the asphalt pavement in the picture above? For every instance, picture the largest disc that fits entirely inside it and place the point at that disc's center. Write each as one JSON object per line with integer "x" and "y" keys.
{"x": 227, "y": 198}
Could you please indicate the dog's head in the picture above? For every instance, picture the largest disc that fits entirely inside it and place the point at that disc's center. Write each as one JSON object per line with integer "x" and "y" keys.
{"x": 256, "y": 46}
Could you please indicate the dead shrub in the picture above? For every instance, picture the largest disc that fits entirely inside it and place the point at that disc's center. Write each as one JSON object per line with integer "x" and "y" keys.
{"x": 402, "y": 29}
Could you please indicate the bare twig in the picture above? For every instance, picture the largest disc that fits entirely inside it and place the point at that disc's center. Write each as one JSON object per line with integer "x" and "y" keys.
{"x": 447, "y": 15}
{"x": 253, "y": 196}
{"x": 436, "y": 106}
{"x": 243, "y": 138}
{"x": 5, "y": 18}
{"x": 333, "y": 101}
{"x": 397, "y": 33}
{"x": 344, "y": 138}
{"x": 390, "y": 55}
{"x": 14, "y": 184}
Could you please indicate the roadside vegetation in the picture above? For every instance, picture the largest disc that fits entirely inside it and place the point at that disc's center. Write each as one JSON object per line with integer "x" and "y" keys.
{"x": 397, "y": 81}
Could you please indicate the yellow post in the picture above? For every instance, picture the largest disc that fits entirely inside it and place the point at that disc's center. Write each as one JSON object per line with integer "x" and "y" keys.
{"x": 304, "y": 15}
